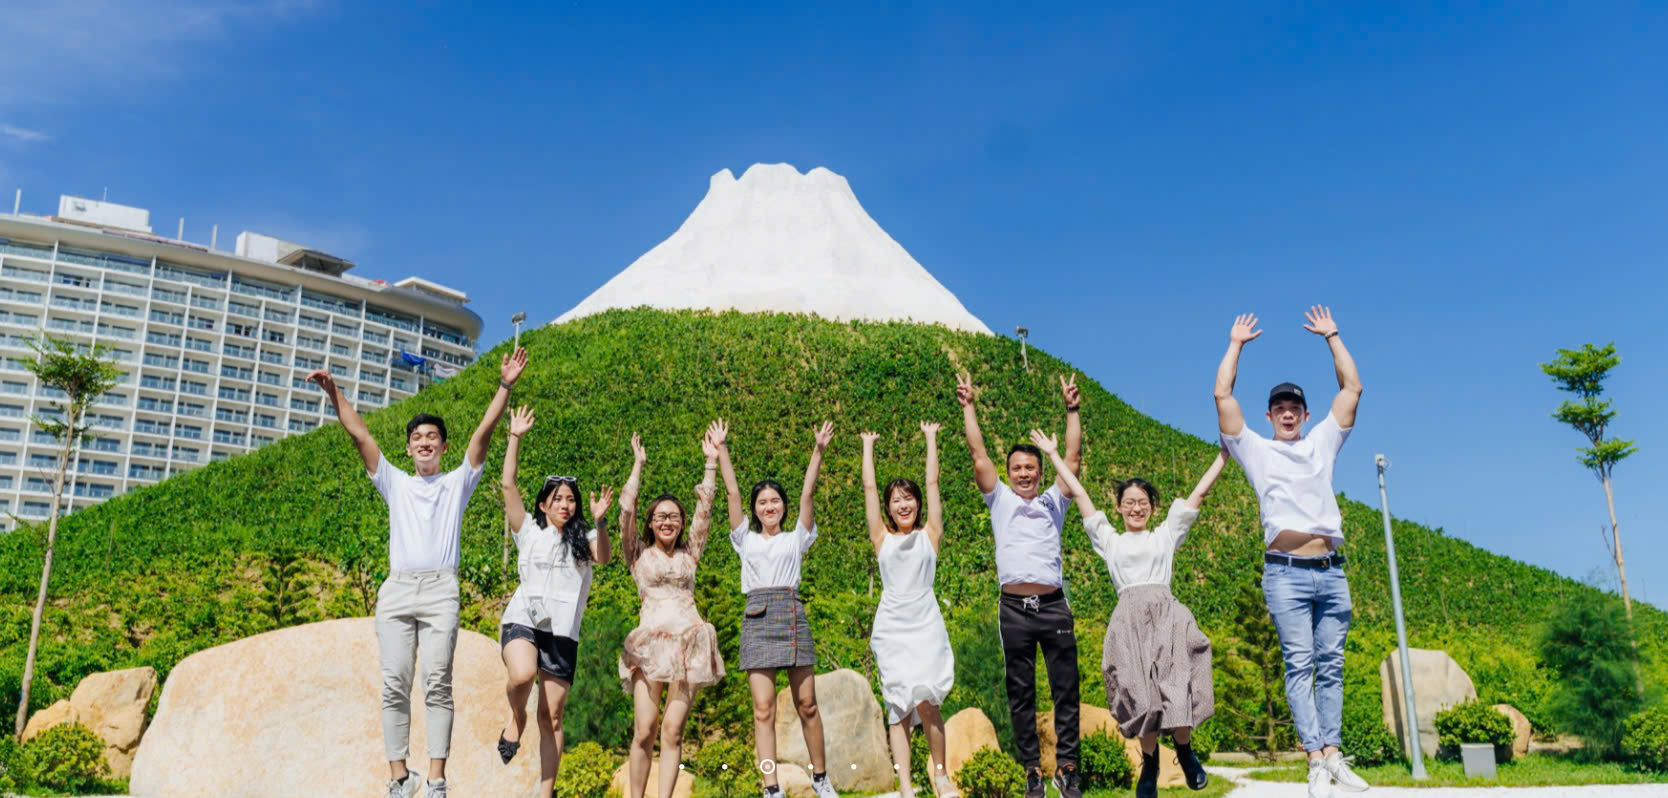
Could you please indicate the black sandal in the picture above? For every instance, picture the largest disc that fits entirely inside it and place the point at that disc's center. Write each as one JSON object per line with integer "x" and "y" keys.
{"x": 507, "y": 749}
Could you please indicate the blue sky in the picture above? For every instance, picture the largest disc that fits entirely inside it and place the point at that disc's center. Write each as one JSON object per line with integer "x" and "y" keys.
{"x": 1469, "y": 187}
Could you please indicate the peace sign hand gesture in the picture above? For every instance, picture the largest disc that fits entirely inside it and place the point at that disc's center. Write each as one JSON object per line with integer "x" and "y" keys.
{"x": 964, "y": 389}
{"x": 1069, "y": 389}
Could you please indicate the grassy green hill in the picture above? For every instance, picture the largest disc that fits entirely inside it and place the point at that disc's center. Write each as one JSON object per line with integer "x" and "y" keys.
{"x": 153, "y": 576}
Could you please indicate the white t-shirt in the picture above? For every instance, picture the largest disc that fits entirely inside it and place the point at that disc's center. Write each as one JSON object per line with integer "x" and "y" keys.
{"x": 1293, "y": 479}
{"x": 771, "y": 561}
{"x": 1141, "y": 558}
{"x": 1027, "y": 534}
{"x": 549, "y": 576}
{"x": 425, "y": 514}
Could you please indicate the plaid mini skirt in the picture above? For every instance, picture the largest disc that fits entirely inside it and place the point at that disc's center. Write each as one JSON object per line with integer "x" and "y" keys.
{"x": 774, "y": 633}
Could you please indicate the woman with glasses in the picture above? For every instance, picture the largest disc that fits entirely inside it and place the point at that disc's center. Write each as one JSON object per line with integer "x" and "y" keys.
{"x": 1156, "y": 661}
{"x": 672, "y": 651}
{"x": 540, "y": 629}
{"x": 774, "y": 632}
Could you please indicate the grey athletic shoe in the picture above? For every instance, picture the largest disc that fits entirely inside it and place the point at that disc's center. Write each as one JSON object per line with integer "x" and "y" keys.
{"x": 1338, "y": 765}
{"x": 1320, "y": 779}
{"x": 436, "y": 788}
{"x": 822, "y": 788}
{"x": 403, "y": 789}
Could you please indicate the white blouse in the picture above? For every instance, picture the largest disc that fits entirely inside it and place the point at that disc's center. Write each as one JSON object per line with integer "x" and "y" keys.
{"x": 771, "y": 561}
{"x": 551, "y": 578}
{"x": 1141, "y": 558}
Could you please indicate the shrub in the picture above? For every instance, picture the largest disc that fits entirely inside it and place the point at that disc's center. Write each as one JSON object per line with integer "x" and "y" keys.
{"x": 587, "y": 772}
{"x": 920, "y": 760}
{"x": 1589, "y": 646}
{"x": 1208, "y": 738}
{"x": 1365, "y": 736}
{"x": 728, "y": 766}
{"x": 1102, "y": 762}
{"x": 66, "y": 757}
{"x": 14, "y": 773}
{"x": 989, "y": 773}
{"x": 1472, "y": 722}
{"x": 1645, "y": 745}
{"x": 598, "y": 710}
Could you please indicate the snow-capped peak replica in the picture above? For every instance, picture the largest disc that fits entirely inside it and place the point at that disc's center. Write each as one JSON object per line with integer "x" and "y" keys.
{"x": 780, "y": 241}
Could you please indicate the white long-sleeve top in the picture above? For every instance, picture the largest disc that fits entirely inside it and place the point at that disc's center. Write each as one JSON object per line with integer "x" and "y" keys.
{"x": 1141, "y": 558}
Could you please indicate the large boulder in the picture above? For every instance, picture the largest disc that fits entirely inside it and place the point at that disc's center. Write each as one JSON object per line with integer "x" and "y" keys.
{"x": 965, "y": 732}
{"x": 683, "y": 788}
{"x": 795, "y": 781}
{"x": 1521, "y": 729}
{"x": 854, "y": 732}
{"x": 298, "y": 712}
{"x": 112, "y": 705}
{"x": 1091, "y": 719}
{"x": 1438, "y": 683}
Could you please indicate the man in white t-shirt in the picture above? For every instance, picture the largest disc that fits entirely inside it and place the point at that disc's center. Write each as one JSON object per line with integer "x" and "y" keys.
{"x": 417, "y": 606}
{"x": 1033, "y": 612}
{"x": 1303, "y": 571}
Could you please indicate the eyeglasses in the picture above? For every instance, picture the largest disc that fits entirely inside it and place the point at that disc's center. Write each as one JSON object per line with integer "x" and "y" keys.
{"x": 1136, "y": 504}
{"x": 554, "y": 478}
{"x": 659, "y": 517}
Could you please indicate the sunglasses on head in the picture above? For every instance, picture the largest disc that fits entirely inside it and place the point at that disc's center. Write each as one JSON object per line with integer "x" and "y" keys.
{"x": 557, "y": 480}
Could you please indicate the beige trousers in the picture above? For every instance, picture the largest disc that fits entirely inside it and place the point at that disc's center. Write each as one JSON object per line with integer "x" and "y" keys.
{"x": 417, "y": 616}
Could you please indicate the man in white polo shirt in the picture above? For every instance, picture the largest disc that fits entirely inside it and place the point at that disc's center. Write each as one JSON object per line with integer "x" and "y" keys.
{"x": 1303, "y": 571}
{"x": 1034, "y": 612}
{"x": 417, "y": 606}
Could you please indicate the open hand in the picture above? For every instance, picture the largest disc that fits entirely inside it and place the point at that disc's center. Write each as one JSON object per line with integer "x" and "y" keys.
{"x": 718, "y": 431}
{"x": 1050, "y": 444}
{"x": 600, "y": 501}
{"x": 824, "y": 435}
{"x": 521, "y": 420}
{"x": 1069, "y": 389}
{"x": 929, "y": 428}
{"x": 638, "y": 453}
{"x": 709, "y": 448}
{"x": 869, "y": 438}
{"x": 964, "y": 389}
{"x": 510, "y": 369}
{"x": 1244, "y": 329}
{"x": 1320, "y": 320}
{"x": 322, "y": 378}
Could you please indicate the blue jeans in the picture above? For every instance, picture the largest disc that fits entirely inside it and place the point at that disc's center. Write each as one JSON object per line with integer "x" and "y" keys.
{"x": 1311, "y": 611}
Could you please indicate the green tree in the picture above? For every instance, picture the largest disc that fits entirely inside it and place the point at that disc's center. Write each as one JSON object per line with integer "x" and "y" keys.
{"x": 284, "y": 588}
{"x": 1589, "y": 645}
{"x": 1253, "y": 684}
{"x": 83, "y": 377}
{"x": 1582, "y": 372}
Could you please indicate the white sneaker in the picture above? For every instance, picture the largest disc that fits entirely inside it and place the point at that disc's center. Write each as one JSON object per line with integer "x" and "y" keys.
{"x": 822, "y": 788}
{"x": 1342, "y": 775}
{"x": 436, "y": 788}
{"x": 403, "y": 789}
{"x": 944, "y": 789}
{"x": 1320, "y": 779}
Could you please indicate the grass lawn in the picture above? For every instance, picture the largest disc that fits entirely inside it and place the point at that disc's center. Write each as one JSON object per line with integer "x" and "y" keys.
{"x": 1534, "y": 770}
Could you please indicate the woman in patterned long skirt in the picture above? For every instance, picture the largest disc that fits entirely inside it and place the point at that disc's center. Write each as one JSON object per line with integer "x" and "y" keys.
{"x": 672, "y": 652}
{"x": 1156, "y": 661}
{"x": 912, "y": 648}
{"x": 774, "y": 633}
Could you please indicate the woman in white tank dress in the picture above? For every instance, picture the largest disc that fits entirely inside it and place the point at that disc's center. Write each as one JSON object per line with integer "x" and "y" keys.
{"x": 912, "y": 648}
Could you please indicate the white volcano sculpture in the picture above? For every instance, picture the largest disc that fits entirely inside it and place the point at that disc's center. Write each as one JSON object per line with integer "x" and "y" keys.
{"x": 780, "y": 241}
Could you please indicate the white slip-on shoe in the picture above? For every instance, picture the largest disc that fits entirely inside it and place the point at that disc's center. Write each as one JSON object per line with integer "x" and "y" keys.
{"x": 403, "y": 789}
{"x": 1342, "y": 775}
{"x": 436, "y": 788}
{"x": 1320, "y": 779}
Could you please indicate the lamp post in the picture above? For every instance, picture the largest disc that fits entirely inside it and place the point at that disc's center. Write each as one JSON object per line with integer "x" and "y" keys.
{"x": 509, "y": 533}
{"x": 1023, "y": 332}
{"x": 1415, "y": 756}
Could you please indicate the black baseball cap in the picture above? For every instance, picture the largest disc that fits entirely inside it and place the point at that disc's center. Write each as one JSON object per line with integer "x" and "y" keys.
{"x": 1287, "y": 390}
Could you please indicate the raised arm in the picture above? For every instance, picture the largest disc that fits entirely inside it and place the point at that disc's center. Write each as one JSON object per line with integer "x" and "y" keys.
{"x": 1197, "y": 497}
{"x": 1349, "y": 380}
{"x": 807, "y": 508}
{"x": 630, "y": 544}
{"x": 719, "y": 432}
{"x": 600, "y": 551}
{"x": 509, "y": 370}
{"x": 514, "y": 511}
{"x": 700, "y": 527}
{"x": 351, "y": 421}
{"x": 935, "y": 507}
{"x": 1230, "y": 419}
{"x": 1051, "y": 447}
{"x": 1074, "y": 432}
{"x": 984, "y": 471}
{"x": 871, "y": 493}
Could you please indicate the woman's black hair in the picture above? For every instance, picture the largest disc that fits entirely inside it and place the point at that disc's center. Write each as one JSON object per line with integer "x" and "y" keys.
{"x": 648, "y": 535}
{"x": 575, "y": 530}
{"x": 907, "y": 486}
{"x": 1136, "y": 482}
{"x": 753, "y": 502}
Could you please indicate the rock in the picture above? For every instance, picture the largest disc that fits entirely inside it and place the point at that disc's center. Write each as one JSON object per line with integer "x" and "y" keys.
{"x": 684, "y": 788}
{"x": 112, "y": 705}
{"x": 794, "y": 780}
{"x": 55, "y": 715}
{"x": 1521, "y": 730}
{"x": 298, "y": 712}
{"x": 965, "y": 732}
{"x": 854, "y": 733}
{"x": 1438, "y": 683}
{"x": 1091, "y": 719}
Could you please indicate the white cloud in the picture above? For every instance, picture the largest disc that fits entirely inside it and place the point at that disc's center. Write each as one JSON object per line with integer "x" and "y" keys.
{"x": 22, "y": 134}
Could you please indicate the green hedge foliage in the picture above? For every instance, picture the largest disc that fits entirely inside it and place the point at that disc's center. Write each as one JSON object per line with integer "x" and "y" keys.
{"x": 989, "y": 773}
{"x": 1472, "y": 722}
{"x": 587, "y": 771}
{"x": 1103, "y": 763}
{"x": 1645, "y": 745}
{"x": 153, "y": 576}
{"x": 726, "y": 765}
{"x": 65, "y": 757}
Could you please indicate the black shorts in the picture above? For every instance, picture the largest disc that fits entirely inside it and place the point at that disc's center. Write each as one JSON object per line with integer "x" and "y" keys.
{"x": 558, "y": 656}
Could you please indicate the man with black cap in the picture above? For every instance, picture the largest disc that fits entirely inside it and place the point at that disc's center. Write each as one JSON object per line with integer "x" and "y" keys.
{"x": 1303, "y": 572}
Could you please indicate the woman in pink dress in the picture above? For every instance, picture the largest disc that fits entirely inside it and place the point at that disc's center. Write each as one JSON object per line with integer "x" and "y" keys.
{"x": 672, "y": 652}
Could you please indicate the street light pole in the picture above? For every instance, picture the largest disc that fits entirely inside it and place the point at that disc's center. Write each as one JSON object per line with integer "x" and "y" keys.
{"x": 1415, "y": 755}
{"x": 509, "y": 534}
{"x": 1023, "y": 332}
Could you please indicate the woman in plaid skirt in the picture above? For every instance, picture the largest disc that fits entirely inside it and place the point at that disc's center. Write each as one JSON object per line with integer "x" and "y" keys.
{"x": 774, "y": 634}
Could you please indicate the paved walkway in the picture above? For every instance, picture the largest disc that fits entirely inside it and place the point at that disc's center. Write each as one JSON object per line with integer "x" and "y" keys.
{"x": 1274, "y": 789}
